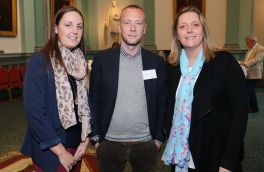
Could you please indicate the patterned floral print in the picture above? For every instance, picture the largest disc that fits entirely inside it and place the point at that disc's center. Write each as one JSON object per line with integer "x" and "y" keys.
{"x": 76, "y": 66}
{"x": 177, "y": 149}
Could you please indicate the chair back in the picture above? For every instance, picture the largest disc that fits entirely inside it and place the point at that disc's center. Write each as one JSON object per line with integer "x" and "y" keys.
{"x": 15, "y": 77}
{"x": 23, "y": 71}
{"x": 4, "y": 78}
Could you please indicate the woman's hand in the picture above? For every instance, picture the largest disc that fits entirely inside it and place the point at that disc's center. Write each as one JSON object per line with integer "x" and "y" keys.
{"x": 221, "y": 169}
{"x": 66, "y": 159}
{"x": 81, "y": 150}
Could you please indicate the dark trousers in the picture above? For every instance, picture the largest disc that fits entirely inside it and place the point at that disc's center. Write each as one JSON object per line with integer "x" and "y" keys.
{"x": 112, "y": 156}
{"x": 252, "y": 98}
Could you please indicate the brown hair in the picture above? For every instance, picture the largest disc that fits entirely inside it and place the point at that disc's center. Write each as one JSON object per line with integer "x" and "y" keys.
{"x": 208, "y": 45}
{"x": 51, "y": 49}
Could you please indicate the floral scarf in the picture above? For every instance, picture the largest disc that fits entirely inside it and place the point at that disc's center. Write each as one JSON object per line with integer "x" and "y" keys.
{"x": 76, "y": 66}
{"x": 177, "y": 149}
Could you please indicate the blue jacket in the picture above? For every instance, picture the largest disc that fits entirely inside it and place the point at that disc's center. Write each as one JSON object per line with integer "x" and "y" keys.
{"x": 44, "y": 126}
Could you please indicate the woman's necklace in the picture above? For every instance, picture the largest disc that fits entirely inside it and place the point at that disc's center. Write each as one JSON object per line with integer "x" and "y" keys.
{"x": 74, "y": 89}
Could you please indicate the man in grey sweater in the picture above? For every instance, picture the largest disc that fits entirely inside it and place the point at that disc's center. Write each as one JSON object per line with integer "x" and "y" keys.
{"x": 128, "y": 97}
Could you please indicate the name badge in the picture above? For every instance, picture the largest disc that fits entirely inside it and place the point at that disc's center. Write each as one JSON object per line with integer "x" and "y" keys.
{"x": 149, "y": 74}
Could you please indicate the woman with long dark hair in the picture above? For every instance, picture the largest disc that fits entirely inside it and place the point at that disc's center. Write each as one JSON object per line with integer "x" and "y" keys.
{"x": 56, "y": 97}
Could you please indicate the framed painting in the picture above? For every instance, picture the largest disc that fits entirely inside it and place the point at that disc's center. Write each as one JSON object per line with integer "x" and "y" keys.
{"x": 55, "y": 5}
{"x": 178, "y": 4}
{"x": 8, "y": 18}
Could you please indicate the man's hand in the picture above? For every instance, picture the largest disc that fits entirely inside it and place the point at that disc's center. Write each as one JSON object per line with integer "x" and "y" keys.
{"x": 221, "y": 169}
{"x": 158, "y": 145}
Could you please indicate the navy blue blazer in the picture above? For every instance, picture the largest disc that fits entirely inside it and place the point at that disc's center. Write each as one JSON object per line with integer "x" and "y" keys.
{"x": 103, "y": 91}
{"x": 219, "y": 113}
{"x": 44, "y": 126}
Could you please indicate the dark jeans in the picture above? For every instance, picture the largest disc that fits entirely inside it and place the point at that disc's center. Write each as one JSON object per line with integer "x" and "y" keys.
{"x": 112, "y": 156}
{"x": 252, "y": 98}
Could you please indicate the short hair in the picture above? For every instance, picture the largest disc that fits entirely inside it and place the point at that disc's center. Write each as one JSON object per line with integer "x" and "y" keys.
{"x": 208, "y": 45}
{"x": 252, "y": 37}
{"x": 132, "y": 6}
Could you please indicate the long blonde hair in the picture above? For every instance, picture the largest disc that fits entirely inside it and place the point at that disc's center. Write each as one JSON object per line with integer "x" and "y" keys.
{"x": 208, "y": 45}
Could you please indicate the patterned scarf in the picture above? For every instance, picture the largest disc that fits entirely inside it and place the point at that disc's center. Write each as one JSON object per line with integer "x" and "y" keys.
{"x": 177, "y": 149}
{"x": 76, "y": 66}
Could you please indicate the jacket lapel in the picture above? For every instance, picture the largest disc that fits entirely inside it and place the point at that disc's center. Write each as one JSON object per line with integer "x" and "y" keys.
{"x": 114, "y": 60}
{"x": 202, "y": 102}
{"x": 146, "y": 65}
{"x": 175, "y": 82}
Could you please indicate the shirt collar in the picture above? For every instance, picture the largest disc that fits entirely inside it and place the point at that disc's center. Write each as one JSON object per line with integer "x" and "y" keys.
{"x": 126, "y": 54}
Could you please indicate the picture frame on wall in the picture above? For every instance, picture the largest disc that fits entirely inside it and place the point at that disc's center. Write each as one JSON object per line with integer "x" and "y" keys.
{"x": 8, "y": 18}
{"x": 55, "y": 5}
{"x": 178, "y": 4}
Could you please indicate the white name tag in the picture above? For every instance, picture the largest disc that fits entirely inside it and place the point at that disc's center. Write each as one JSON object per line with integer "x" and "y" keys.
{"x": 149, "y": 74}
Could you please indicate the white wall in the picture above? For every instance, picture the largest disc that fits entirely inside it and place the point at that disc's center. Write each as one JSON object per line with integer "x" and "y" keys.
{"x": 12, "y": 44}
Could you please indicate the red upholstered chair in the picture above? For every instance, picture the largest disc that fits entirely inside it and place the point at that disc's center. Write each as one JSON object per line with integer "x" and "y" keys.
{"x": 15, "y": 78}
{"x": 23, "y": 71}
{"x": 5, "y": 83}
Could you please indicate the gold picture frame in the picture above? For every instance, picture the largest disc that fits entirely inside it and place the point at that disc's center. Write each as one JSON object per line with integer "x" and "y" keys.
{"x": 55, "y": 5}
{"x": 178, "y": 4}
{"x": 8, "y": 18}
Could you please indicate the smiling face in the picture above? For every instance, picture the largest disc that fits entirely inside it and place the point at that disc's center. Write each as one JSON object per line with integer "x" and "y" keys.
{"x": 132, "y": 26}
{"x": 190, "y": 31}
{"x": 70, "y": 29}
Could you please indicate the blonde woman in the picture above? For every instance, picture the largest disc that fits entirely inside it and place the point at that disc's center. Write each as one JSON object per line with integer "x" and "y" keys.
{"x": 207, "y": 105}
